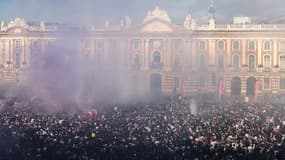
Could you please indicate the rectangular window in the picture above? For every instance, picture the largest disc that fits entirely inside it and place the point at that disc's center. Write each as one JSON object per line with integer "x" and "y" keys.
{"x": 136, "y": 44}
{"x": 202, "y": 82}
{"x": 17, "y": 59}
{"x": 266, "y": 84}
{"x": 267, "y": 45}
{"x": 85, "y": 44}
{"x": 202, "y": 45}
{"x": 18, "y": 44}
{"x": 251, "y": 45}
{"x": 99, "y": 44}
{"x": 214, "y": 79}
{"x": 3, "y": 44}
{"x": 221, "y": 45}
{"x": 282, "y": 45}
{"x": 113, "y": 44}
{"x": 236, "y": 45}
{"x": 282, "y": 83}
{"x": 176, "y": 44}
{"x": 221, "y": 62}
{"x": 36, "y": 44}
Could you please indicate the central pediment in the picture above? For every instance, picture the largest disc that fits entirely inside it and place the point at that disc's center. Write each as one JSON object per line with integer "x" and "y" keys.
{"x": 156, "y": 26}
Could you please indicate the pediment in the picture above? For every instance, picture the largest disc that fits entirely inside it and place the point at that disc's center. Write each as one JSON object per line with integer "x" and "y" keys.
{"x": 156, "y": 26}
{"x": 17, "y": 30}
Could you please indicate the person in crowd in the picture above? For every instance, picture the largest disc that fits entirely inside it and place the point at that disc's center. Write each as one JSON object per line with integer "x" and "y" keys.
{"x": 232, "y": 131}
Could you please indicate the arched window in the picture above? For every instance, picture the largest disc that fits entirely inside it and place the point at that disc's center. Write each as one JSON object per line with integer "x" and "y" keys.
{"x": 267, "y": 45}
{"x": 251, "y": 45}
{"x": 221, "y": 62}
{"x": 251, "y": 62}
{"x": 156, "y": 57}
{"x": 266, "y": 61}
{"x": 202, "y": 62}
{"x": 236, "y": 62}
{"x": 282, "y": 62}
{"x": 236, "y": 45}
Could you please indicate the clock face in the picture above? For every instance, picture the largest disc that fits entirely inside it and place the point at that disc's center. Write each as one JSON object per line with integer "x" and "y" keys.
{"x": 156, "y": 44}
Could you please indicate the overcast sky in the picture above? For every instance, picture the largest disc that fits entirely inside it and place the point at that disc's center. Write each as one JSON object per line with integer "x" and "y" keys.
{"x": 95, "y": 11}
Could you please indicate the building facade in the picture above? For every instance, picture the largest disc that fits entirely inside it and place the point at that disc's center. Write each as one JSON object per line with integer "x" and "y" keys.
{"x": 160, "y": 56}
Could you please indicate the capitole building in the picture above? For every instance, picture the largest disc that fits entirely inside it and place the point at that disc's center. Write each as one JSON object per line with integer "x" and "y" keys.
{"x": 163, "y": 57}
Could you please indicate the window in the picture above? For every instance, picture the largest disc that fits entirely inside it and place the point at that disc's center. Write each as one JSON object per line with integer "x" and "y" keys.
{"x": 267, "y": 61}
{"x": 251, "y": 62}
{"x": 214, "y": 79}
{"x": 251, "y": 45}
{"x": 156, "y": 57}
{"x": 35, "y": 44}
{"x": 282, "y": 45}
{"x": 177, "y": 61}
{"x": 267, "y": 45}
{"x": 202, "y": 45}
{"x": 18, "y": 44}
{"x": 282, "y": 83}
{"x": 282, "y": 62}
{"x": 221, "y": 62}
{"x": 202, "y": 63}
{"x": 221, "y": 45}
{"x": 3, "y": 44}
{"x": 17, "y": 59}
{"x": 113, "y": 44}
{"x": 136, "y": 60}
{"x": 236, "y": 45}
{"x": 3, "y": 58}
{"x": 266, "y": 83}
{"x": 176, "y": 44}
{"x": 85, "y": 43}
{"x": 136, "y": 44}
{"x": 99, "y": 44}
{"x": 202, "y": 82}
{"x": 236, "y": 62}
{"x": 99, "y": 59}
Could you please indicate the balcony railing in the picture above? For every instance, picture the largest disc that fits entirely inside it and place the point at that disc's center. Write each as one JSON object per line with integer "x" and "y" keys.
{"x": 266, "y": 69}
{"x": 251, "y": 69}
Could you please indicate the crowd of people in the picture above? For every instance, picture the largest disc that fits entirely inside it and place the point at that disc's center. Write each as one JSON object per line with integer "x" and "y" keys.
{"x": 233, "y": 131}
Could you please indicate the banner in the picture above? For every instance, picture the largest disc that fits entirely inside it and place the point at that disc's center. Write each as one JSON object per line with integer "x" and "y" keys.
{"x": 256, "y": 90}
{"x": 220, "y": 90}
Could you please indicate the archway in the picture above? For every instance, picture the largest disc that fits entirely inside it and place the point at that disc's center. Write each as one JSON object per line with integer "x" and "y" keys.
{"x": 236, "y": 86}
{"x": 155, "y": 84}
{"x": 250, "y": 84}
